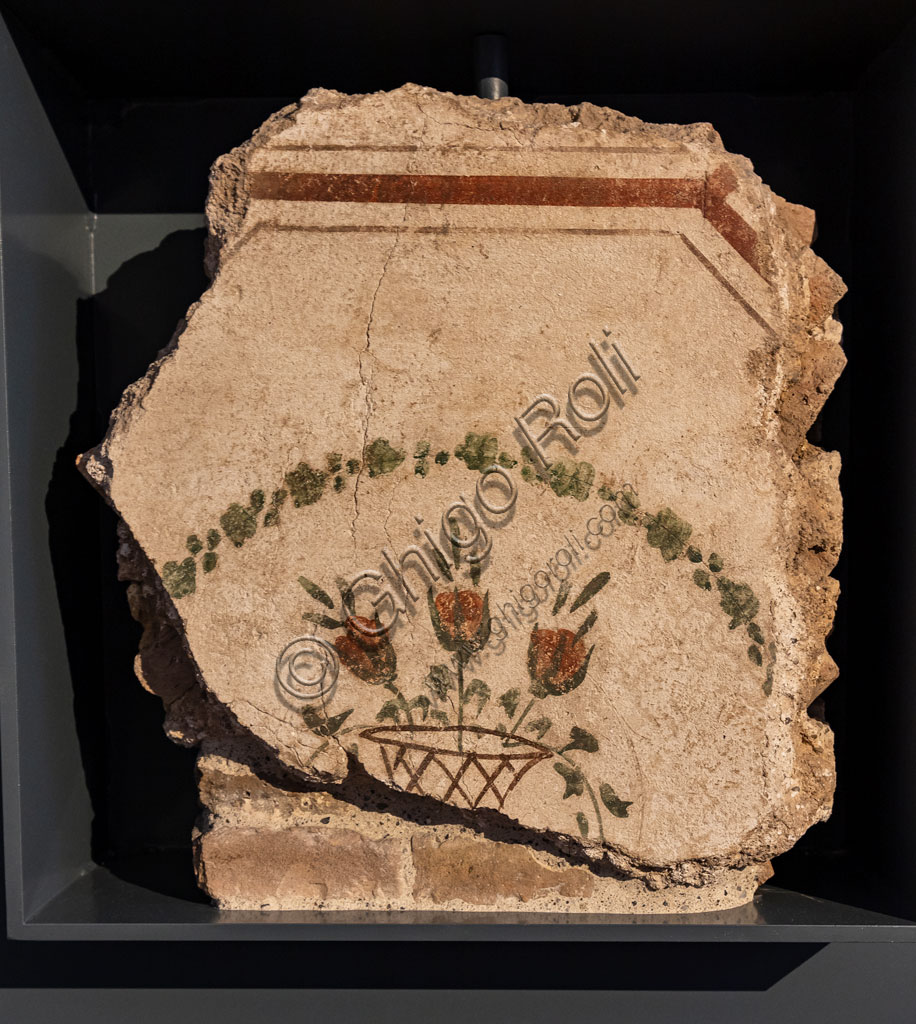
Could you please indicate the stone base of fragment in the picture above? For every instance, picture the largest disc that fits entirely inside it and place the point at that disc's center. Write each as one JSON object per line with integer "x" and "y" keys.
{"x": 268, "y": 846}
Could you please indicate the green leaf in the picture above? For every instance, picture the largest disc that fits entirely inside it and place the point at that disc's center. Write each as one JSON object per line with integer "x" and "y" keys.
{"x": 540, "y": 726}
{"x": 422, "y": 702}
{"x": 591, "y": 588}
{"x": 479, "y": 451}
{"x": 336, "y": 721}
{"x": 568, "y": 478}
{"x": 694, "y": 554}
{"x": 575, "y": 780}
{"x": 381, "y": 458}
{"x": 390, "y": 710}
{"x": 509, "y": 701}
{"x": 323, "y": 725}
{"x": 627, "y": 505}
{"x": 315, "y": 591}
{"x": 399, "y": 700}
{"x": 180, "y": 578}
{"x": 314, "y": 717}
{"x": 612, "y": 801}
{"x": 306, "y": 485}
{"x": 755, "y": 632}
{"x": 238, "y": 523}
{"x": 586, "y": 625}
{"x": 580, "y": 739}
{"x": 454, "y": 535}
{"x": 477, "y": 690}
{"x": 440, "y": 681}
{"x": 346, "y": 594}
{"x": 737, "y": 600}
{"x": 701, "y": 578}
{"x": 582, "y": 822}
{"x": 562, "y": 594}
{"x": 668, "y": 533}
{"x": 322, "y": 620}
{"x": 755, "y": 654}
{"x": 441, "y": 563}
{"x": 439, "y": 716}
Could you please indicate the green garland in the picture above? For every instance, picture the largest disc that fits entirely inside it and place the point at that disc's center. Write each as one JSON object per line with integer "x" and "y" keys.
{"x": 305, "y": 485}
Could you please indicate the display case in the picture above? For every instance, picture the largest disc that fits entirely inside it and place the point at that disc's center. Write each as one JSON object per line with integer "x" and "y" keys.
{"x": 102, "y": 183}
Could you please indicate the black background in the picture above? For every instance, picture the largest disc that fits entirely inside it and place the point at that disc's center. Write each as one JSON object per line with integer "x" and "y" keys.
{"x": 144, "y": 97}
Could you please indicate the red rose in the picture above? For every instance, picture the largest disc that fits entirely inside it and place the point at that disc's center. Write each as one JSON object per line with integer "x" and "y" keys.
{"x": 461, "y": 619}
{"x": 368, "y": 655}
{"x": 557, "y": 661}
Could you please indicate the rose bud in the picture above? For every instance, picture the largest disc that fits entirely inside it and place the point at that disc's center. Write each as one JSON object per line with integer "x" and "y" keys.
{"x": 366, "y": 651}
{"x": 557, "y": 661}
{"x": 461, "y": 619}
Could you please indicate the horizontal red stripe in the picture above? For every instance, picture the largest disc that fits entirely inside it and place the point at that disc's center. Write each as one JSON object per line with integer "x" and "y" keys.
{"x": 706, "y": 195}
{"x": 478, "y": 190}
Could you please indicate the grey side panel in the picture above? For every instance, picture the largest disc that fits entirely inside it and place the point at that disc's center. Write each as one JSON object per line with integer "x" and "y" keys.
{"x": 45, "y": 269}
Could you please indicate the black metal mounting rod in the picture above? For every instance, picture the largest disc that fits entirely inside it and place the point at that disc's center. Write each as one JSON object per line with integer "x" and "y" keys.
{"x": 491, "y": 66}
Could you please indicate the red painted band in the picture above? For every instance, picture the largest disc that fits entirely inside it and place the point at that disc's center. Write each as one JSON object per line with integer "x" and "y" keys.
{"x": 706, "y": 195}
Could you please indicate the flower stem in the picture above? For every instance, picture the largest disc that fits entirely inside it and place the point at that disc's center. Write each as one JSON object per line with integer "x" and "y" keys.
{"x": 315, "y": 753}
{"x": 394, "y": 689}
{"x": 591, "y": 792}
{"x": 518, "y": 722}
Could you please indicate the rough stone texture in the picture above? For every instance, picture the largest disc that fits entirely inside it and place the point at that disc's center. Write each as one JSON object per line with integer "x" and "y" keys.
{"x": 470, "y": 872}
{"x": 277, "y": 868}
{"x": 396, "y": 279}
{"x": 263, "y": 847}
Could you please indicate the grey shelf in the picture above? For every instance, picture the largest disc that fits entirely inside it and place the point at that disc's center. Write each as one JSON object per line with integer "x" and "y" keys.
{"x": 101, "y": 906}
{"x": 56, "y": 253}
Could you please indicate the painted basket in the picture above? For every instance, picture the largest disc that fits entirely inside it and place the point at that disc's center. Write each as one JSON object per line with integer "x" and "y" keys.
{"x": 465, "y": 764}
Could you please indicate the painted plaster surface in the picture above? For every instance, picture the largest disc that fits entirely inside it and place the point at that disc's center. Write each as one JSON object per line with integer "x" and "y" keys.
{"x": 478, "y": 478}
